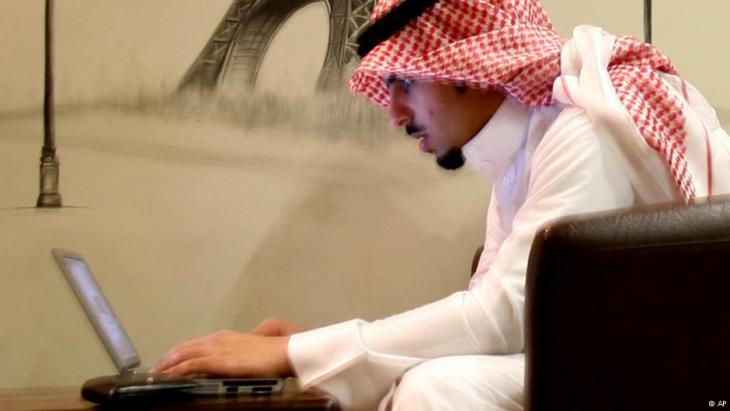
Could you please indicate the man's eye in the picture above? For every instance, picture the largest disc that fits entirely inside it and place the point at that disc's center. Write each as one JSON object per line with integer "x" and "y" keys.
{"x": 404, "y": 84}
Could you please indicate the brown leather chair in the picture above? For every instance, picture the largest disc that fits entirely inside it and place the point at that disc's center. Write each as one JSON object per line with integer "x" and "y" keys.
{"x": 630, "y": 311}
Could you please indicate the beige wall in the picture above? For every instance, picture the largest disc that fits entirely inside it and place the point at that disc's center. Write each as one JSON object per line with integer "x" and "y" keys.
{"x": 193, "y": 225}
{"x": 112, "y": 50}
{"x": 107, "y": 47}
{"x": 103, "y": 48}
{"x": 695, "y": 35}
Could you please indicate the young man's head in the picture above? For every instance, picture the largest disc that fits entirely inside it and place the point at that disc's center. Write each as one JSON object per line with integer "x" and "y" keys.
{"x": 441, "y": 117}
{"x": 443, "y": 67}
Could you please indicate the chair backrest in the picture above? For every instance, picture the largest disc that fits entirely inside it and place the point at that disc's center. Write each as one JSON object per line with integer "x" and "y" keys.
{"x": 630, "y": 311}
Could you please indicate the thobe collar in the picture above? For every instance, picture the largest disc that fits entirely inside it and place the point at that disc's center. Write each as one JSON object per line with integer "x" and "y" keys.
{"x": 491, "y": 150}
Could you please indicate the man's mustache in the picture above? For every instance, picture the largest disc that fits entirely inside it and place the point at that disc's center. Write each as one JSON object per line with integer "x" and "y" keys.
{"x": 412, "y": 129}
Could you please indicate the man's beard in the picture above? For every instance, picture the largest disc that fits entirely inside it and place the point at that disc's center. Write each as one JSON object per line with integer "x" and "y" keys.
{"x": 451, "y": 160}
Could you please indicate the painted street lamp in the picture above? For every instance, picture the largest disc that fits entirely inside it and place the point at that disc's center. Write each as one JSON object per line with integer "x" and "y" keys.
{"x": 647, "y": 21}
{"x": 49, "y": 195}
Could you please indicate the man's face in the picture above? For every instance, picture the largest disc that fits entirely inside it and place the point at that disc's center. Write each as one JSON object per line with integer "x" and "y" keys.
{"x": 442, "y": 117}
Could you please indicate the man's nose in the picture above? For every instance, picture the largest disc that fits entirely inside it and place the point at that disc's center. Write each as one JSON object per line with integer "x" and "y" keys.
{"x": 400, "y": 114}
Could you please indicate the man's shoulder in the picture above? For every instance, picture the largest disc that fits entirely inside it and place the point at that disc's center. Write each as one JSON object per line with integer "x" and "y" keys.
{"x": 568, "y": 120}
{"x": 562, "y": 124}
{"x": 568, "y": 133}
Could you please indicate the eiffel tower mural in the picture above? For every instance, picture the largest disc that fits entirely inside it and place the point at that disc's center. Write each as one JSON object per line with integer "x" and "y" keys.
{"x": 231, "y": 59}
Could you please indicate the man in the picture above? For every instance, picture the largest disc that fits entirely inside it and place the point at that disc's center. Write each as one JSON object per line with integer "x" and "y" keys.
{"x": 561, "y": 127}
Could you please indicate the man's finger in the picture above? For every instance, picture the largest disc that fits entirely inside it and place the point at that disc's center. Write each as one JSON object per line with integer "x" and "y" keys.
{"x": 268, "y": 327}
{"x": 202, "y": 365}
{"x": 186, "y": 367}
{"x": 199, "y": 346}
{"x": 271, "y": 327}
{"x": 179, "y": 354}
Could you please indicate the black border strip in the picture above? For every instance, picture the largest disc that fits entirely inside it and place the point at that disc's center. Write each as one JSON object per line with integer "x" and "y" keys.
{"x": 390, "y": 24}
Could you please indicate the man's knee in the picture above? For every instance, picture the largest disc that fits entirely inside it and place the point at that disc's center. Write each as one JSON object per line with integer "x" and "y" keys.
{"x": 462, "y": 383}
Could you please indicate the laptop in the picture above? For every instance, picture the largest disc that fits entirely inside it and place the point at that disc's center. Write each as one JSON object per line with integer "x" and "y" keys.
{"x": 133, "y": 382}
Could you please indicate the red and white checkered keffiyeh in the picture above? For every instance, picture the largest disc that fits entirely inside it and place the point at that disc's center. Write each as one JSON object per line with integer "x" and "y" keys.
{"x": 510, "y": 45}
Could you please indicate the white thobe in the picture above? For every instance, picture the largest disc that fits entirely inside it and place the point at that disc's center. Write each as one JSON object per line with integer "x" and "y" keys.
{"x": 545, "y": 163}
{"x": 532, "y": 156}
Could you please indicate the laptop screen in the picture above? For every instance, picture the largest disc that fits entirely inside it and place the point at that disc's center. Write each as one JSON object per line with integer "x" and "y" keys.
{"x": 98, "y": 310}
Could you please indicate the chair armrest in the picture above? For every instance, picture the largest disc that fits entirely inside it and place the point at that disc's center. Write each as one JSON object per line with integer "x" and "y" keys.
{"x": 628, "y": 311}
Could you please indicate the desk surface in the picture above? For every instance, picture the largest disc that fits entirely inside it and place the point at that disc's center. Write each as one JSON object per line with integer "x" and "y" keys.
{"x": 69, "y": 399}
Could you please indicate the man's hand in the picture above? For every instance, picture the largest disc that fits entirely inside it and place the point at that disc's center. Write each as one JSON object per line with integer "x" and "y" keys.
{"x": 229, "y": 354}
{"x": 271, "y": 327}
